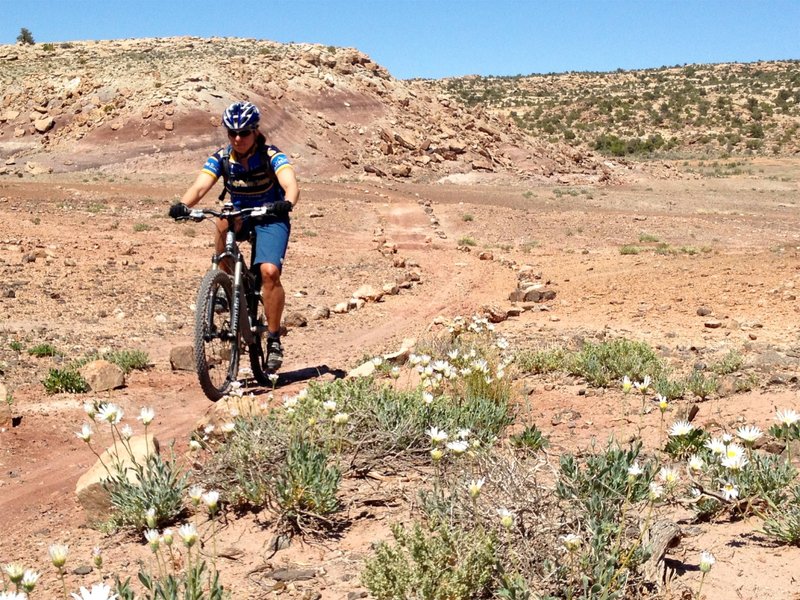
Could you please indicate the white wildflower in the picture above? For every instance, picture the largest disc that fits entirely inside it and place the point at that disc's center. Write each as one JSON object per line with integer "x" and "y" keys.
{"x": 787, "y": 417}
{"x": 729, "y": 491}
{"x": 146, "y": 416}
{"x": 85, "y": 433}
{"x": 506, "y": 517}
{"x": 707, "y": 561}
{"x": 437, "y": 435}
{"x": 680, "y": 428}
{"x": 749, "y": 433}
{"x": 111, "y": 413}
{"x": 458, "y": 446}
{"x": 474, "y": 487}
{"x": 696, "y": 463}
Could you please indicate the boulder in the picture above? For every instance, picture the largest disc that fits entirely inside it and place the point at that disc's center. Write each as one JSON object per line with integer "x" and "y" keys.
{"x": 102, "y": 375}
{"x": 367, "y": 292}
{"x": 90, "y": 492}
{"x": 403, "y": 353}
{"x": 364, "y": 370}
{"x": 44, "y": 124}
{"x": 295, "y": 319}
{"x": 181, "y": 358}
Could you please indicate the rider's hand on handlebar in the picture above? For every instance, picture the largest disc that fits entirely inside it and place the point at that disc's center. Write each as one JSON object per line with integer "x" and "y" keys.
{"x": 281, "y": 207}
{"x": 179, "y": 211}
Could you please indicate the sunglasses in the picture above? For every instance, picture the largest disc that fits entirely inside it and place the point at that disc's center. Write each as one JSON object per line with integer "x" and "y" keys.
{"x": 243, "y": 133}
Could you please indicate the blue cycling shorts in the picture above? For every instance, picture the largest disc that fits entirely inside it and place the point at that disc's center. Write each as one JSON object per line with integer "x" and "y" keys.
{"x": 271, "y": 241}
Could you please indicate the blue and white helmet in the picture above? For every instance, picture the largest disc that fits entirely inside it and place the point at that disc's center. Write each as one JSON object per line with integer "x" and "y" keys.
{"x": 240, "y": 116}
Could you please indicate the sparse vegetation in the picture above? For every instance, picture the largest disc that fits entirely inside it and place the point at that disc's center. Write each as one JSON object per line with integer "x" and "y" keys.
{"x": 25, "y": 37}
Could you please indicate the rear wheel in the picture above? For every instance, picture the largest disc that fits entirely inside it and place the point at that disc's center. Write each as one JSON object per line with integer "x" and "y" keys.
{"x": 216, "y": 347}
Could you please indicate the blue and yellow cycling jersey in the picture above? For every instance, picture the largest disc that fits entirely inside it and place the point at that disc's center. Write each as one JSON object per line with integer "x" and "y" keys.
{"x": 251, "y": 184}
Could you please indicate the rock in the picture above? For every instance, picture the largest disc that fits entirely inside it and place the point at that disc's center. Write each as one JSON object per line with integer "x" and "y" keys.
{"x": 485, "y": 256}
{"x": 401, "y": 355}
{"x": 713, "y": 324}
{"x": 35, "y": 168}
{"x": 391, "y": 289}
{"x": 6, "y": 417}
{"x": 181, "y": 358}
{"x": 366, "y": 369}
{"x": 703, "y": 311}
{"x": 320, "y": 312}
{"x": 367, "y": 292}
{"x": 341, "y": 308}
{"x": 401, "y": 170}
{"x": 82, "y": 570}
{"x": 771, "y": 360}
{"x": 292, "y": 574}
{"x": 89, "y": 489}
{"x": 102, "y": 375}
{"x": 44, "y": 125}
{"x": 295, "y": 319}
{"x": 494, "y": 313}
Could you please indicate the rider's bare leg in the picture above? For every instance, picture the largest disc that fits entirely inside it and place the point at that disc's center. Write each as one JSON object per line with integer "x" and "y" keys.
{"x": 273, "y": 296}
{"x": 219, "y": 245}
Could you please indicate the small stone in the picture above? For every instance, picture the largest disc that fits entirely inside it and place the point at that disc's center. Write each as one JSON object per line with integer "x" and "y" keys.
{"x": 82, "y": 570}
{"x": 713, "y": 324}
{"x": 703, "y": 311}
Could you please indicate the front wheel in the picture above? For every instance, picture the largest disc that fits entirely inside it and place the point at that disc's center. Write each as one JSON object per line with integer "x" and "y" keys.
{"x": 216, "y": 344}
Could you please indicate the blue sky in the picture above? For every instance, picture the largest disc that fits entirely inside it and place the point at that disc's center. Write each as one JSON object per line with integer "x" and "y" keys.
{"x": 440, "y": 38}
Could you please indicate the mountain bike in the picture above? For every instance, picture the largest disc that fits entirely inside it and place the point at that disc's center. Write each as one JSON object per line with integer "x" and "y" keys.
{"x": 229, "y": 315}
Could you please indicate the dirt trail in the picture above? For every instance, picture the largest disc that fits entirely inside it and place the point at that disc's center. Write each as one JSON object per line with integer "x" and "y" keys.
{"x": 104, "y": 266}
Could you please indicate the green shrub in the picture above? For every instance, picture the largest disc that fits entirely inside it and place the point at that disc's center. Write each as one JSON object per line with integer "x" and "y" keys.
{"x": 25, "y": 37}
{"x": 629, "y": 250}
{"x": 701, "y": 385}
{"x": 156, "y": 484}
{"x": 605, "y": 363}
{"x": 467, "y": 241}
{"x": 193, "y": 583}
{"x": 671, "y": 389}
{"x": 15, "y": 345}
{"x": 246, "y": 463}
{"x": 65, "y": 380}
{"x": 530, "y": 438}
{"x": 142, "y": 227}
{"x": 542, "y": 361}
{"x": 436, "y": 562}
{"x": 466, "y": 217}
{"x": 307, "y": 486}
{"x": 730, "y": 363}
{"x": 129, "y": 360}
{"x": 783, "y": 522}
{"x": 683, "y": 446}
{"x": 42, "y": 350}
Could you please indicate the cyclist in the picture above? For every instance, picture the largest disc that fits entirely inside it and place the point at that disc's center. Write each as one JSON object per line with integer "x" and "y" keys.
{"x": 254, "y": 174}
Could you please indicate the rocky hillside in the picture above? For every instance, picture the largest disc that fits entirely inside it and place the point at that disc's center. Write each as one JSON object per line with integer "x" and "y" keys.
{"x": 155, "y": 104}
{"x": 694, "y": 110}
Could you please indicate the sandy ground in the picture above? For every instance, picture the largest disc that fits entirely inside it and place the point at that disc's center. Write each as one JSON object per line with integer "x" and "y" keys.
{"x": 110, "y": 271}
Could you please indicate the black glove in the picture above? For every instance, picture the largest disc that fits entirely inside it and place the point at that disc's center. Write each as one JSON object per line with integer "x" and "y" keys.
{"x": 281, "y": 208}
{"x": 179, "y": 210}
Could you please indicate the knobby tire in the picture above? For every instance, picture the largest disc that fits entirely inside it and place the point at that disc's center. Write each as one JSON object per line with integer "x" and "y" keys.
{"x": 216, "y": 343}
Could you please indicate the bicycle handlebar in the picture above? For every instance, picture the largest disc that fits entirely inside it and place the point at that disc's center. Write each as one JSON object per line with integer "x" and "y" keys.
{"x": 227, "y": 212}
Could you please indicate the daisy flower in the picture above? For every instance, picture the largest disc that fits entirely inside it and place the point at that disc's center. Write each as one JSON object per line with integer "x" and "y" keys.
{"x": 680, "y": 428}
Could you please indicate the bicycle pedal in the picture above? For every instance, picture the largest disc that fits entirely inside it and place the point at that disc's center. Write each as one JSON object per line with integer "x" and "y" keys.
{"x": 261, "y": 329}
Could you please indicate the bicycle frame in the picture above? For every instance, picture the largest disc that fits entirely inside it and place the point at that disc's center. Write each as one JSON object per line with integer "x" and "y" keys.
{"x": 244, "y": 283}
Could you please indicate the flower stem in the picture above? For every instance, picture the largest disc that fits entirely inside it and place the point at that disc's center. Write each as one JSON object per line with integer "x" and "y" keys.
{"x": 700, "y": 587}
